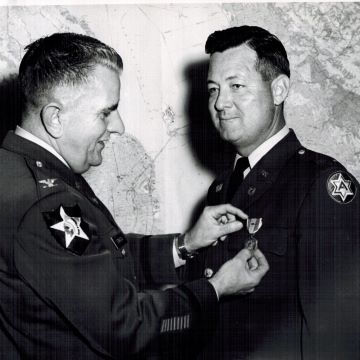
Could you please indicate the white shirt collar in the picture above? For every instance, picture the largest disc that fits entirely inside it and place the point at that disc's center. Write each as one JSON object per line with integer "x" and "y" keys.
{"x": 28, "y": 136}
{"x": 264, "y": 148}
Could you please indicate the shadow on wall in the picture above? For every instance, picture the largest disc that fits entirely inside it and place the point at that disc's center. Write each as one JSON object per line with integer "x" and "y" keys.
{"x": 212, "y": 152}
{"x": 10, "y": 104}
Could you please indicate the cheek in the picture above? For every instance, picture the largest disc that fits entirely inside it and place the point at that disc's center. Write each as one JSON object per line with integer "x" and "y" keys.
{"x": 212, "y": 112}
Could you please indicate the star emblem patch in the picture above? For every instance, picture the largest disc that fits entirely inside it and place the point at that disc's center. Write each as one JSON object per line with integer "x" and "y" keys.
{"x": 341, "y": 188}
{"x": 68, "y": 228}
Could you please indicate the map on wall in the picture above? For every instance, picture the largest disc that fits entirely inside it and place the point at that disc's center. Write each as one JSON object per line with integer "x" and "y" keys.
{"x": 154, "y": 175}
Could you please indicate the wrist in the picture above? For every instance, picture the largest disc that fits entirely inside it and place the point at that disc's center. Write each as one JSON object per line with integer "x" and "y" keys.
{"x": 182, "y": 248}
{"x": 187, "y": 242}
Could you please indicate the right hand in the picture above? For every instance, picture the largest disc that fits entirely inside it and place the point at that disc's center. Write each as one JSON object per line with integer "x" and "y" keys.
{"x": 237, "y": 277}
{"x": 215, "y": 222}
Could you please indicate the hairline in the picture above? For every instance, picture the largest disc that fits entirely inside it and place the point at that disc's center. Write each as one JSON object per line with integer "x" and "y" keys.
{"x": 257, "y": 63}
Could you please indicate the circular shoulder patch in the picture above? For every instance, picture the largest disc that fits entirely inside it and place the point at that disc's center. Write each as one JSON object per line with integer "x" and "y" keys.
{"x": 341, "y": 187}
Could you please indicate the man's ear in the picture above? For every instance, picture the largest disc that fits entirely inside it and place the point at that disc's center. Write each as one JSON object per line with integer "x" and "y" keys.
{"x": 280, "y": 88}
{"x": 51, "y": 120}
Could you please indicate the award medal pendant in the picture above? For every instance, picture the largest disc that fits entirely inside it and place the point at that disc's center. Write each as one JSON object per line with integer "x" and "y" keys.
{"x": 253, "y": 225}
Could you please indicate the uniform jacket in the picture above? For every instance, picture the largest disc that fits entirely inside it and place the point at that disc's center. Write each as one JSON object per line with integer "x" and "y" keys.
{"x": 72, "y": 285}
{"x": 307, "y": 305}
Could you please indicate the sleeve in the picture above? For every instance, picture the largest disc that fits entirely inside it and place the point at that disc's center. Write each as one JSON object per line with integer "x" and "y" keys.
{"x": 88, "y": 293}
{"x": 154, "y": 259}
{"x": 328, "y": 262}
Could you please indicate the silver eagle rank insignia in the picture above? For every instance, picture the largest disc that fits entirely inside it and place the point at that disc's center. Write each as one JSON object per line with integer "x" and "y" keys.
{"x": 48, "y": 183}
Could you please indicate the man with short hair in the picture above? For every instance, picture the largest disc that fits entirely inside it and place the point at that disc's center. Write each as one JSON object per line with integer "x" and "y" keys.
{"x": 72, "y": 285}
{"x": 304, "y": 211}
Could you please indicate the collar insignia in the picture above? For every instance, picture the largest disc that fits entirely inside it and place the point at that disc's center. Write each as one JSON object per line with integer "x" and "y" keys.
{"x": 68, "y": 228}
{"x": 48, "y": 183}
{"x": 341, "y": 188}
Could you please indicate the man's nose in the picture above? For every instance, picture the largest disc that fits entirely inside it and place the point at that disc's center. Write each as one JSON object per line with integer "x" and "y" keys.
{"x": 115, "y": 124}
{"x": 223, "y": 100}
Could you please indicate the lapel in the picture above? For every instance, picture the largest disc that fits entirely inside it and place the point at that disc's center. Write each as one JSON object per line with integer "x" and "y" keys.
{"x": 264, "y": 174}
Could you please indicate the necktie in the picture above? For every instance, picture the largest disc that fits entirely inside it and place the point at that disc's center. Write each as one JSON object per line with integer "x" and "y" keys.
{"x": 237, "y": 176}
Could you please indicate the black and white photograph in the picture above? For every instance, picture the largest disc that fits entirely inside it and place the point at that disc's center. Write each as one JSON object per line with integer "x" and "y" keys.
{"x": 179, "y": 180}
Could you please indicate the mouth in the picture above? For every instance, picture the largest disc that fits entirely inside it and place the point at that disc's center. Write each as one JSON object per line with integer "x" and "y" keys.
{"x": 227, "y": 118}
{"x": 104, "y": 140}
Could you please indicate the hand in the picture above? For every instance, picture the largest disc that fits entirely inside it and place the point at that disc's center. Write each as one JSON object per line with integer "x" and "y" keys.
{"x": 211, "y": 226}
{"x": 240, "y": 274}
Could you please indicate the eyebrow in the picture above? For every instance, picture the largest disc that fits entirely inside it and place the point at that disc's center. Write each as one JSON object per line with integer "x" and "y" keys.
{"x": 232, "y": 77}
{"x": 112, "y": 107}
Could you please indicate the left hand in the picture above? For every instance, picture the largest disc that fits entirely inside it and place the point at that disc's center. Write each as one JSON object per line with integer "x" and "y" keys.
{"x": 209, "y": 226}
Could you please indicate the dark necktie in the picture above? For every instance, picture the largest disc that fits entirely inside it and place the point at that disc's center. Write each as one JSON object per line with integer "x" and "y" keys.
{"x": 237, "y": 176}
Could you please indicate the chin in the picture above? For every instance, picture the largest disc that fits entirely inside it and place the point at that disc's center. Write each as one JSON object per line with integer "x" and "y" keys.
{"x": 96, "y": 162}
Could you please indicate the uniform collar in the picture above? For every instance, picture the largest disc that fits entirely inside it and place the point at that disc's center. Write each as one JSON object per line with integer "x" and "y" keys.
{"x": 28, "y": 136}
{"x": 266, "y": 171}
{"x": 264, "y": 148}
{"x": 40, "y": 156}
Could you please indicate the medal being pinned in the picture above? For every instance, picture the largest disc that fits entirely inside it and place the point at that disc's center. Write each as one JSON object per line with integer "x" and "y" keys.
{"x": 253, "y": 226}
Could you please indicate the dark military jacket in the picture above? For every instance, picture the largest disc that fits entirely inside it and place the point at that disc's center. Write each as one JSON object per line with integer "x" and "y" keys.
{"x": 307, "y": 305}
{"x": 72, "y": 285}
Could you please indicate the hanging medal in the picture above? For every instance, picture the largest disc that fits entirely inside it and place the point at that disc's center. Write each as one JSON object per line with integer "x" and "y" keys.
{"x": 253, "y": 226}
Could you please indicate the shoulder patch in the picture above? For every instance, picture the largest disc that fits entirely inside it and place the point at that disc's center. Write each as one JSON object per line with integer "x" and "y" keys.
{"x": 341, "y": 188}
{"x": 68, "y": 228}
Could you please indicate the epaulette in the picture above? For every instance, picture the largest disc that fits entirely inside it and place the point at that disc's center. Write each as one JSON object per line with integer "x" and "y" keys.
{"x": 319, "y": 162}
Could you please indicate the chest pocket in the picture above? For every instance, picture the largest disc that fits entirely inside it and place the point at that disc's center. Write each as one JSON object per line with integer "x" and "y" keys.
{"x": 273, "y": 240}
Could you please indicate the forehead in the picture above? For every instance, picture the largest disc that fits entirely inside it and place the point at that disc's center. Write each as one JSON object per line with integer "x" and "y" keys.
{"x": 105, "y": 78}
{"x": 235, "y": 61}
{"x": 101, "y": 89}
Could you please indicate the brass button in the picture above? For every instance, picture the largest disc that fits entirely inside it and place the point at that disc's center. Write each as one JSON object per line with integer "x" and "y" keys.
{"x": 301, "y": 151}
{"x": 39, "y": 164}
{"x": 251, "y": 190}
{"x": 208, "y": 273}
{"x": 123, "y": 252}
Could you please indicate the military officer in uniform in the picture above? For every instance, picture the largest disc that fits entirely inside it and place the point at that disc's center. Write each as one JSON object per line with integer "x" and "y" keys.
{"x": 72, "y": 285}
{"x": 303, "y": 210}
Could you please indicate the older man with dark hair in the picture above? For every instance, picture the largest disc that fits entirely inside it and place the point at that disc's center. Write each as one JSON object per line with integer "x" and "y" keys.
{"x": 303, "y": 209}
{"x": 72, "y": 285}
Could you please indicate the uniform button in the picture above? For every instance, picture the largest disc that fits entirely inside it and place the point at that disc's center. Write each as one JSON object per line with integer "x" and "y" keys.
{"x": 251, "y": 191}
{"x": 208, "y": 272}
{"x": 264, "y": 173}
{"x": 95, "y": 200}
{"x": 123, "y": 252}
{"x": 39, "y": 164}
{"x": 301, "y": 151}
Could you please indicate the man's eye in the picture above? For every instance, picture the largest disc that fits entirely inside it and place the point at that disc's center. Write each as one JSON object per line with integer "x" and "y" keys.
{"x": 212, "y": 90}
{"x": 237, "y": 86}
{"x": 104, "y": 115}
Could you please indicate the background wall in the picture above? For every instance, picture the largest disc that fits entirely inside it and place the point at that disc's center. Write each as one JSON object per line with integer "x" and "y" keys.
{"x": 155, "y": 176}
